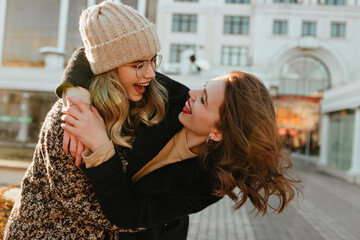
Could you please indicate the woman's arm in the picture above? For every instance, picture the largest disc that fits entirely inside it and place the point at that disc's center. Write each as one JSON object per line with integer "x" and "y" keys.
{"x": 62, "y": 181}
{"x": 168, "y": 193}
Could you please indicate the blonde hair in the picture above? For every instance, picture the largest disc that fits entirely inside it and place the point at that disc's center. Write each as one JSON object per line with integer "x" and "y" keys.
{"x": 120, "y": 116}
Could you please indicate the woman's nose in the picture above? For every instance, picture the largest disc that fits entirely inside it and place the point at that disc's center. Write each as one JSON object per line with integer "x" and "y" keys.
{"x": 149, "y": 72}
{"x": 192, "y": 94}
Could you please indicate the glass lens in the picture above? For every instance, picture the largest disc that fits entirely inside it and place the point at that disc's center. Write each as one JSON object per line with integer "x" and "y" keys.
{"x": 142, "y": 67}
{"x": 156, "y": 62}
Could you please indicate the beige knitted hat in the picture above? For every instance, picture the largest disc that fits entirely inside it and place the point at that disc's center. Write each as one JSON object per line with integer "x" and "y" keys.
{"x": 115, "y": 34}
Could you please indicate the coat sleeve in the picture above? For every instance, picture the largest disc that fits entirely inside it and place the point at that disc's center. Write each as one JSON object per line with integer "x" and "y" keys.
{"x": 161, "y": 196}
{"x": 67, "y": 184}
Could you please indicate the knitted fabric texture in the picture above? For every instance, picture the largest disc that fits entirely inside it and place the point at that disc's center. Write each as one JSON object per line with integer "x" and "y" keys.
{"x": 114, "y": 34}
{"x": 57, "y": 201}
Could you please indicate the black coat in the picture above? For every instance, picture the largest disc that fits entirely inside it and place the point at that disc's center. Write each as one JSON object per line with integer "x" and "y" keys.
{"x": 161, "y": 200}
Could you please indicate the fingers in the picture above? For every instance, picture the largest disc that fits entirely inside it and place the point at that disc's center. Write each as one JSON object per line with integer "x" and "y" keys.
{"x": 73, "y": 145}
{"x": 66, "y": 140}
{"x": 73, "y": 111}
{"x": 70, "y": 120}
{"x": 95, "y": 111}
{"x": 80, "y": 149}
{"x": 70, "y": 142}
{"x": 80, "y": 104}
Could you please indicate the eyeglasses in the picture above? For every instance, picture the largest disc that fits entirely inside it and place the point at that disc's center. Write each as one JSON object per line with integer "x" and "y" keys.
{"x": 142, "y": 67}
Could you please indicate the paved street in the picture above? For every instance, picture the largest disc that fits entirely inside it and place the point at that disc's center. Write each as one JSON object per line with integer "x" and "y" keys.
{"x": 12, "y": 172}
{"x": 330, "y": 210}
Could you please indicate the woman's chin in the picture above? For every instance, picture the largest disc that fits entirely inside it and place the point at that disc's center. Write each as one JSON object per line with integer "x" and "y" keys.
{"x": 181, "y": 117}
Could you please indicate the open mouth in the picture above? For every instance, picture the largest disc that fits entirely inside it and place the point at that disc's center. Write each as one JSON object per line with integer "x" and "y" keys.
{"x": 187, "y": 108}
{"x": 142, "y": 84}
{"x": 140, "y": 88}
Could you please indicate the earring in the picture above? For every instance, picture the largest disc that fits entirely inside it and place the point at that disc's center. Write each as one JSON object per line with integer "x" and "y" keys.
{"x": 209, "y": 141}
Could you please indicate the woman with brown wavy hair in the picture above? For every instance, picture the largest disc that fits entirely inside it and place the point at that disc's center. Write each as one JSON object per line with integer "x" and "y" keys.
{"x": 251, "y": 154}
{"x": 229, "y": 143}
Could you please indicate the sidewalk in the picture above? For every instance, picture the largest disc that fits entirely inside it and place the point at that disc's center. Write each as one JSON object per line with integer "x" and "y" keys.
{"x": 12, "y": 172}
{"x": 14, "y": 164}
{"x": 330, "y": 210}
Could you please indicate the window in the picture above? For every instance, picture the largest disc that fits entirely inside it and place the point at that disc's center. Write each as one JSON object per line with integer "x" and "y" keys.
{"x": 234, "y": 56}
{"x": 285, "y": 1}
{"x": 303, "y": 76}
{"x": 236, "y": 25}
{"x": 237, "y": 1}
{"x": 338, "y": 30}
{"x": 280, "y": 27}
{"x": 176, "y": 50}
{"x": 20, "y": 108}
{"x": 340, "y": 140}
{"x": 184, "y": 23}
{"x": 331, "y": 2}
{"x": 186, "y": 0}
{"x": 309, "y": 29}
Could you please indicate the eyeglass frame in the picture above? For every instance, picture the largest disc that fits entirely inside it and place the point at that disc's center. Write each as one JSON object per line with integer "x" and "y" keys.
{"x": 145, "y": 64}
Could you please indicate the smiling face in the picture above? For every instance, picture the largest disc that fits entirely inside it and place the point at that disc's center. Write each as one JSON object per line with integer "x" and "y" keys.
{"x": 135, "y": 87}
{"x": 201, "y": 112}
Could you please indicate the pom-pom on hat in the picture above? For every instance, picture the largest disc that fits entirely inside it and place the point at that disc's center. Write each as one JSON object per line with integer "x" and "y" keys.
{"x": 114, "y": 34}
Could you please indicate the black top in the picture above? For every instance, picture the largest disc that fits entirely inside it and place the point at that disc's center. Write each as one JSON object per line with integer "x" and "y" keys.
{"x": 164, "y": 196}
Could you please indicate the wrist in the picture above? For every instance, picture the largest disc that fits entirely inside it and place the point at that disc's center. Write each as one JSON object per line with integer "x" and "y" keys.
{"x": 99, "y": 144}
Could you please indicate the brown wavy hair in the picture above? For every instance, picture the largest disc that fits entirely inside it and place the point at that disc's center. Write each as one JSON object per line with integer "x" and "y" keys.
{"x": 251, "y": 156}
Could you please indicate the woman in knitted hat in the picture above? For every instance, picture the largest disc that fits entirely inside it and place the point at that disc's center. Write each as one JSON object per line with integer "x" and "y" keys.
{"x": 229, "y": 146}
{"x": 57, "y": 201}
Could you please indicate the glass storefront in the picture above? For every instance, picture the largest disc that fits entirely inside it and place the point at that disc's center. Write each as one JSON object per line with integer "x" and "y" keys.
{"x": 21, "y": 115}
{"x": 341, "y": 134}
{"x": 302, "y": 81}
{"x": 298, "y": 121}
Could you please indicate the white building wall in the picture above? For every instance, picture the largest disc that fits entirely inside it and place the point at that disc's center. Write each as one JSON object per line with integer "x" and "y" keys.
{"x": 268, "y": 52}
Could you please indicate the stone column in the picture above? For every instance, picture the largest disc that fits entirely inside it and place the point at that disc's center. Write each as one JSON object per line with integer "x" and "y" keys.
{"x": 90, "y": 3}
{"x": 355, "y": 158}
{"x": 325, "y": 121}
{"x": 141, "y": 7}
{"x": 63, "y": 20}
{"x": 24, "y": 124}
{"x": 3, "y": 7}
{"x": 351, "y": 2}
{"x": 55, "y": 56}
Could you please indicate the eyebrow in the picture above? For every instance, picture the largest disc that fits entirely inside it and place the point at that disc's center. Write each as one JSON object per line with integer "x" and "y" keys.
{"x": 140, "y": 61}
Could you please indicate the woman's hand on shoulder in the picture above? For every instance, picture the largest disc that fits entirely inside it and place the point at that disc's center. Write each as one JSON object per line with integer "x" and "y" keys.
{"x": 85, "y": 124}
{"x": 72, "y": 144}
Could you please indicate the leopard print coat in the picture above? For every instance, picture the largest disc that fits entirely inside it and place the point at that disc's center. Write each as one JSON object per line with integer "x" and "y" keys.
{"x": 57, "y": 200}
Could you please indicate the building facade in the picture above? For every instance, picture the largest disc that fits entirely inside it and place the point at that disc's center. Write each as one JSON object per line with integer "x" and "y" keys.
{"x": 306, "y": 51}
{"x": 37, "y": 37}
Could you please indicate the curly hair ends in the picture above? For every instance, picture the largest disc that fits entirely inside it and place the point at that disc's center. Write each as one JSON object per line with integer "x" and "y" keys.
{"x": 120, "y": 117}
{"x": 251, "y": 155}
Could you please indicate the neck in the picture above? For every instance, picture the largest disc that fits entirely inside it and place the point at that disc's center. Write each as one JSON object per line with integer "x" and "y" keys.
{"x": 194, "y": 142}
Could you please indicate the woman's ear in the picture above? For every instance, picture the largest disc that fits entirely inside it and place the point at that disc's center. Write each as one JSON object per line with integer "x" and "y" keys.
{"x": 216, "y": 136}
